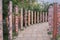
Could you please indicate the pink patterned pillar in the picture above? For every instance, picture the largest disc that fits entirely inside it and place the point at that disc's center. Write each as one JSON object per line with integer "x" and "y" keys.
{"x": 21, "y": 18}
{"x": 16, "y": 19}
{"x": 10, "y": 21}
{"x": 28, "y": 17}
{"x": 1, "y": 25}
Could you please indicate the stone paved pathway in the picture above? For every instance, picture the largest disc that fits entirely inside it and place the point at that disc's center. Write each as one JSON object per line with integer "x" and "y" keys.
{"x": 34, "y": 32}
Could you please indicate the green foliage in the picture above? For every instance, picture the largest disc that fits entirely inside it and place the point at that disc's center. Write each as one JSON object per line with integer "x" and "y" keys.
{"x": 58, "y": 37}
{"x": 49, "y": 33}
{"x": 5, "y": 8}
{"x": 26, "y": 4}
{"x": 45, "y": 6}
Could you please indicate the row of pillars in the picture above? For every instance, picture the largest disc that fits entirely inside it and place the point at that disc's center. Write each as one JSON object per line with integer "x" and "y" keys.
{"x": 25, "y": 18}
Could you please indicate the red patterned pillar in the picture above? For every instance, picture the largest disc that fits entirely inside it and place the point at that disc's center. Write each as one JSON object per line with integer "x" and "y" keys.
{"x": 28, "y": 17}
{"x": 10, "y": 21}
{"x": 55, "y": 22}
{"x": 16, "y": 19}
{"x": 1, "y": 25}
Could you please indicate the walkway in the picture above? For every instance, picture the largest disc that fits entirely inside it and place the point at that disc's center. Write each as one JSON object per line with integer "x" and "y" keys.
{"x": 34, "y": 32}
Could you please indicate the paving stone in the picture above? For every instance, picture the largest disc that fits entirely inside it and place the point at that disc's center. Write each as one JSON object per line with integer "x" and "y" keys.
{"x": 35, "y": 32}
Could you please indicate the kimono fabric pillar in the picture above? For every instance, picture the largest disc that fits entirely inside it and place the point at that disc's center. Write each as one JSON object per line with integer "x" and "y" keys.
{"x": 1, "y": 25}
{"x": 21, "y": 18}
{"x": 16, "y": 19}
{"x": 10, "y": 21}
{"x": 46, "y": 17}
{"x": 28, "y": 17}
{"x": 37, "y": 17}
{"x": 13, "y": 24}
{"x": 40, "y": 16}
{"x": 34, "y": 17}
{"x": 55, "y": 22}
{"x": 31, "y": 17}
{"x": 43, "y": 16}
{"x": 25, "y": 18}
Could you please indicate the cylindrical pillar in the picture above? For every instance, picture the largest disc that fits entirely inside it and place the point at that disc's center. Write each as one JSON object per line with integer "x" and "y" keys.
{"x": 43, "y": 16}
{"x": 21, "y": 18}
{"x": 16, "y": 18}
{"x": 34, "y": 17}
{"x": 55, "y": 21}
{"x": 31, "y": 17}
{"x": 25, "y": 18}
{"x": 40, "y": 16}
{"x": 28, "y": 17}
{"x": 37, "y": 17}
{"x": 10, "y": 21}
{"x": 1, "y": 21}
{"x": 46, "y": 16}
